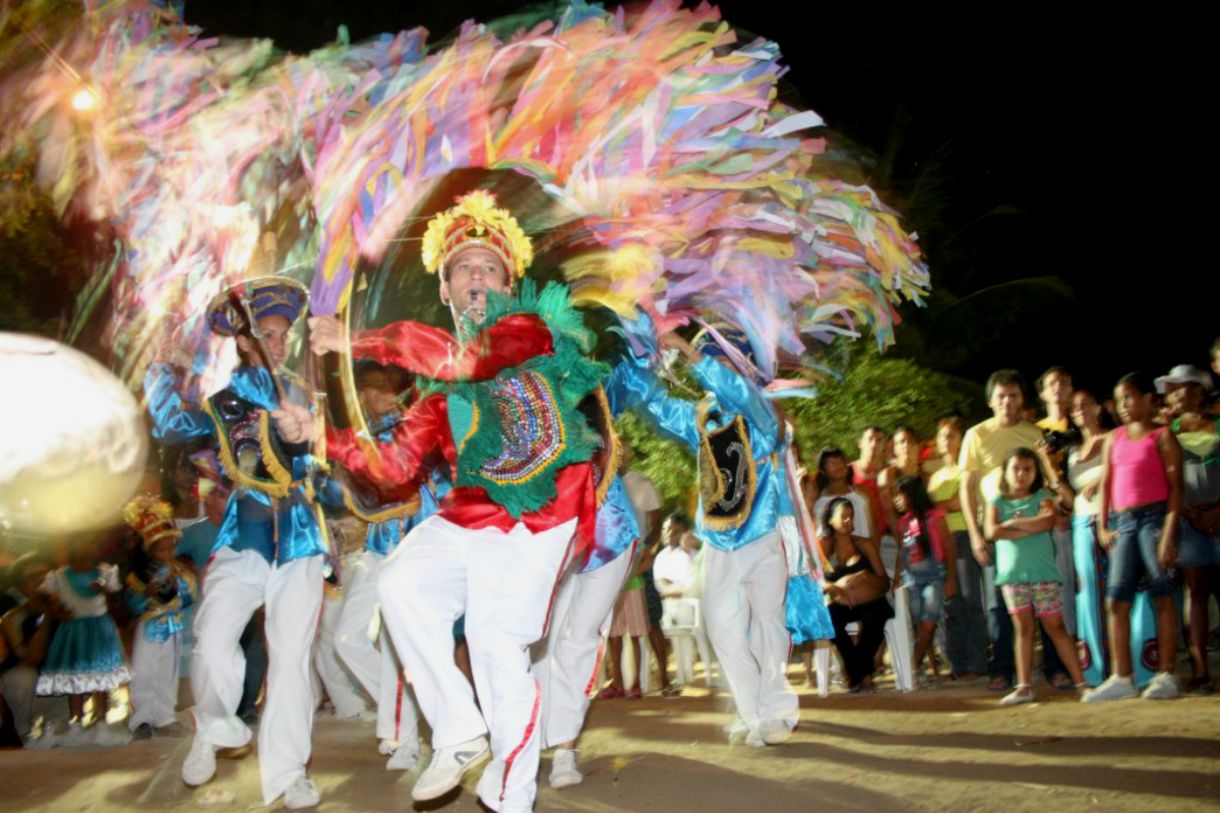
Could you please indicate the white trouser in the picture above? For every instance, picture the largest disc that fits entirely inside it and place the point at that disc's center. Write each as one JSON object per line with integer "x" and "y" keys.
{"x": 376, "y": 667}
{"x": 341, "y": 686}
{"x": 154, "y": 680}
{"x": 236, "y": 584}
{"x": 505, "y": 584}
{"x": 743, "y": 606}
{"x": 567, "y": 663}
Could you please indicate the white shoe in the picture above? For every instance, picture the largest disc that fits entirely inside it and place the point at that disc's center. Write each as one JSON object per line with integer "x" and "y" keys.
{"x": 1162, "y": 687}
{"x": 564, "y": 773}
{"x": 200, "y": 764}
{"x": 773, "y": 732}
{"x": 448, "y": 765}
{"x": 1022, "y": 694}
{"x": 387, "y": 747}
{"x": 1113, "y": 688}
{"x": 754, "y": 739}
{"x": 302, "y": 793}
{"x": 736, "y": 731}
{"x": 404, "y": 758}
{"x": 108, "y": 735}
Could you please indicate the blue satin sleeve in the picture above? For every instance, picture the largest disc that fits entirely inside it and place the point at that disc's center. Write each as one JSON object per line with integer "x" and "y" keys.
{"x": 632, "y": 386}
{"x": 616, "y": 527}
{"x": 173, "y": 419}
{"x": 734, "y": 393}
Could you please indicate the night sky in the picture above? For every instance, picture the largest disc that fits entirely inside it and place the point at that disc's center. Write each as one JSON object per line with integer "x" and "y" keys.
{"x": 1019, "y": 144}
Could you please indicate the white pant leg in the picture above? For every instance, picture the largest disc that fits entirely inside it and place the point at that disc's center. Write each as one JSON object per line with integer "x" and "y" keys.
{"x": 339, "y": 683}
{"x": 397, "y": 716}
{"x": 514, "y": 579}
{"x": 285, "y": 735}
{"x": 766, "y": 584}
{"x": 735, "y": 586}
{"x": 422, "y": 588}
{"x": 566, "y": 664}
{"x": 233, "y": 589}
{"x": 356, "y": 649}
{"x": 154, "y": 680}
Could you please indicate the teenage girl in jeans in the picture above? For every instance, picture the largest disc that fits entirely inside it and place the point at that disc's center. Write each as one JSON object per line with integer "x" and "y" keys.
{"x": 1141, "y": 493}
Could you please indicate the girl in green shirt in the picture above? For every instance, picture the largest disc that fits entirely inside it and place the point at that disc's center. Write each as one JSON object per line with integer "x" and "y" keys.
{"x": 1020, "y": 520}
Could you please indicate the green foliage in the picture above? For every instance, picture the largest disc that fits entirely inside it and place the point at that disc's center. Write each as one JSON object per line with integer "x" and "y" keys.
{"x": 885, "y": 391}
{"x": 38, "y": 271}
{"x": 669, "y": 464}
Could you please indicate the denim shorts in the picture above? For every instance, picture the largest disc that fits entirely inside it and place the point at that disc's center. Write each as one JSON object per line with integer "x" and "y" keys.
{"x": 1195, "y": 548}
{"x": 1134, "y": 553}
{"x": 925, "y": 589}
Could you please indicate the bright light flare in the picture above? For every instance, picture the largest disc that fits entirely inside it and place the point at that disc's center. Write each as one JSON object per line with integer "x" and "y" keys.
{"x": 84, "y": 100}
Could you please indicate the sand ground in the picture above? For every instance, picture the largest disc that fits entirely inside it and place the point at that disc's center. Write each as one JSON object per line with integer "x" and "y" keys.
{"x": 946, "y": 748}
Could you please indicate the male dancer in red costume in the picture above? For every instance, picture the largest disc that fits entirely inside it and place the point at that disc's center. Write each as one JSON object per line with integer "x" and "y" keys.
{"x": 507, "y": 423}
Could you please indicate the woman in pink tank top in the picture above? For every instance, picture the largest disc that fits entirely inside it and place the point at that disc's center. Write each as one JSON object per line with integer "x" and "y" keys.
{"x": 1141, "y": 496}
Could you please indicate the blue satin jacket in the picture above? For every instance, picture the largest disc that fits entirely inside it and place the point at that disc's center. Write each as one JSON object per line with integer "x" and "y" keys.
{"x": 162, "y": 622}
{"x": 634, "y": 386}
{"x": 279, "y": 529}
{"x": 616, "y": 527}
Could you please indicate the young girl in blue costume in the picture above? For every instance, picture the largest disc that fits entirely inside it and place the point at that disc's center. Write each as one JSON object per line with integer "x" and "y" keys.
{"x": 85, "y": 656}
{"x": 1020, "y": 519}
{"x": 926, "y": 544}
{"x": 159, "y": 589}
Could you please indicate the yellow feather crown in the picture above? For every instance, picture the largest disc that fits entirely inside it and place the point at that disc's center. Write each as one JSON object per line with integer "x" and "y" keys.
{"x": 477, "y": 221}
{"x": 152, "y": 517}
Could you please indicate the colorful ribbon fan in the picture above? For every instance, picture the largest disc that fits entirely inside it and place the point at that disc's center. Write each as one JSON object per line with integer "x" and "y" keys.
{"x": 684, "y": 188}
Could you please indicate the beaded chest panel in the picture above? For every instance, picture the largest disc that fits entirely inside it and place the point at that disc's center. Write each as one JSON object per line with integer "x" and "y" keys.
{"x": 534, "y": 434}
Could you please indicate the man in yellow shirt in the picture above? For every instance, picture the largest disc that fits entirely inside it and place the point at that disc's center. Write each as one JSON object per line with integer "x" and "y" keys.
{"x": 982, "y": 459}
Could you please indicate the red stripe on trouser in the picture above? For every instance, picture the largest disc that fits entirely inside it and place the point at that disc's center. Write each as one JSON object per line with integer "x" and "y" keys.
{"x": 398, "y": 708}
{"x": 597, "y": 668}
{"x": 529, "y": 732}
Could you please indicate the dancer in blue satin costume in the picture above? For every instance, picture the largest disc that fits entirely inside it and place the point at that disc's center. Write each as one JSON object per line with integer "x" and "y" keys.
{"x": 361, "y": 643}
{"x": 270, "y": 546}
{"x": 737, "y": 437}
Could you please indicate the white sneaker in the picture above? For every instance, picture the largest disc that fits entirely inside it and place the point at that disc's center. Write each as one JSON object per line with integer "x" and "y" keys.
{"x": 387, "y": 747}
{"x": 302, "y": 793}
{"x": 1163, "y": 687}
{"x": 754, "y": 738}
{"x": 773, "y": 732}
{"x": 108, "y": 735}
{"x": 404, "y": 758}
{"x": 1113, "y": 688}
{"x": 1019, "y": 695}
{"x": 564, "y": 773}
{"x": 736, "y": 731}
{"x": 447, "y": 767}
{"x": 200, "y": 764}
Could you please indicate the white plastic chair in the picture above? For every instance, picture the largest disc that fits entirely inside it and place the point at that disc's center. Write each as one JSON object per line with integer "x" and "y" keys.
{"x": 682, "y": 623}
{"x": 898, "y": 640}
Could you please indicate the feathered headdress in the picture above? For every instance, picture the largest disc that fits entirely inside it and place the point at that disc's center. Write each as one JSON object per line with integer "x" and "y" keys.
{"x": 477, "y": 221}
{"x": 153, "y": 518}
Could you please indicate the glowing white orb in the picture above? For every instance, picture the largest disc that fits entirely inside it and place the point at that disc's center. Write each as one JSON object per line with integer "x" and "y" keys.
{"x": 72, "y": 439}
{"x": 84, "y": 99}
